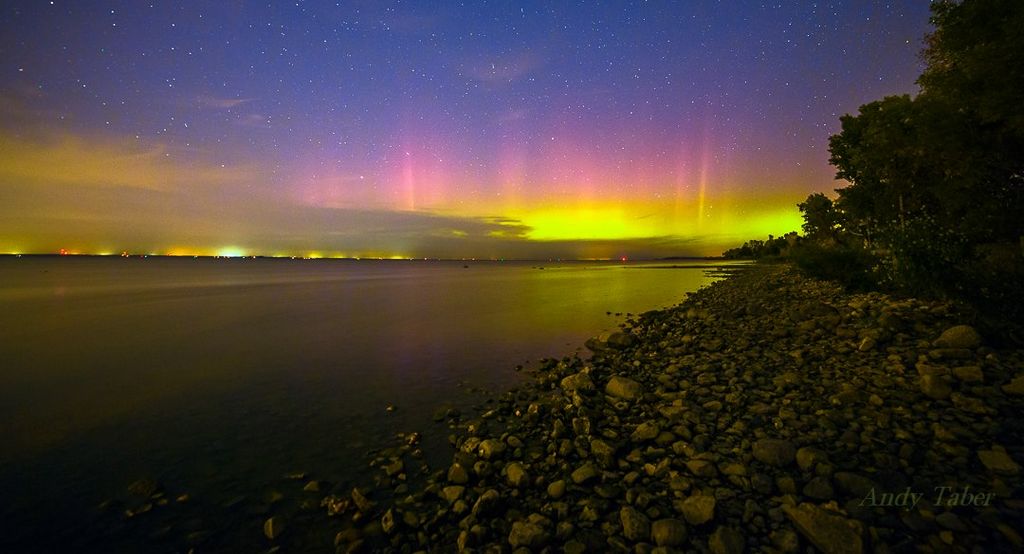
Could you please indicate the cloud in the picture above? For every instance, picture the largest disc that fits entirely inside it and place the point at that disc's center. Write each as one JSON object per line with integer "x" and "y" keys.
{"x": 253, "y": 120}
{"x": 105, "y": 161}
{"x": 505, "y": 69}
{"x": 213, "y": 102}
{"x": 100, "y": 192}
{"x": 44, "y": 217}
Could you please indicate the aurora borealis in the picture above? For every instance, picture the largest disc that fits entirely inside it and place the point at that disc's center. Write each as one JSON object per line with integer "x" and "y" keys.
{"x": 503, "y": 130}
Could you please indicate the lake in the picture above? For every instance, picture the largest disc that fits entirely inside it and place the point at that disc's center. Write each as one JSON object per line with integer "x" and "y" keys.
{"x": 216, "y": 377}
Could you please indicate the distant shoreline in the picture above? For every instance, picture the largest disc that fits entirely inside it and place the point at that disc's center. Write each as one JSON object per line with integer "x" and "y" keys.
{"x": 366, "y": 258}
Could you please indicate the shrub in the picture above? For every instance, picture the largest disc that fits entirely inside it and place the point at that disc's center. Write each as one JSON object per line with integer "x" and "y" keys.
{"x": 853, "y": 268}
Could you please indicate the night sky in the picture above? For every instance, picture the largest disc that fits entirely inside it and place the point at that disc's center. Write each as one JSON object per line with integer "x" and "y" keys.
{"x": 476, "y": 129}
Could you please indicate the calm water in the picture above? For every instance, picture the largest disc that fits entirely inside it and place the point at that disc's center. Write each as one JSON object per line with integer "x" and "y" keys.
{"x": 216, "y": 377}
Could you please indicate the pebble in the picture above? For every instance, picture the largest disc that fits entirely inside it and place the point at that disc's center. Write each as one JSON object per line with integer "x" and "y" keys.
{"x": 635, "y": 525}
{"x": 585, "y": 473}
{"x": 998, "y": 461}
{"x": 273, "y": 527}
{"x": 556, "y": 489}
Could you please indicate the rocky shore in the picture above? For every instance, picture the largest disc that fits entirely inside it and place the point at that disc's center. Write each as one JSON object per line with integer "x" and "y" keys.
{"x": 766, "y": 413}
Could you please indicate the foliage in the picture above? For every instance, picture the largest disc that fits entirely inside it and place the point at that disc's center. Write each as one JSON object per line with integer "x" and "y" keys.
{"x": 926, "y": 257}
{"x": 854, "y": 268}
{"x": 975, "y": 60}
{"x": 936, "y": 180}
{"x": 760, "y": 249}
{"x": 821, "y": 220}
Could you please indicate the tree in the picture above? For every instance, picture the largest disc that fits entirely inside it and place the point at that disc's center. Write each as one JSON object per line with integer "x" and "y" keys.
{"x": 955, "y": 151}
{"x": 821, "y": 220}
{"x": 975, "y": 68}
{"x": 975, "y": 60}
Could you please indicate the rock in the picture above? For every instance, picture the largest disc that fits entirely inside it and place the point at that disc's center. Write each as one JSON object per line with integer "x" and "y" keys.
{"x": 635, "y": 525}
{"x": 808, "y": 457}
{"x": 458, "y": 474}
{"x": 516, "y": 475}
{"x": 775, "y": 452}
{"x": 411, "y": 519}
{"x": 529, "y": 535}
{"x": 335, "y": 504}
{"x": 620, "y": 340}
{"x": 701, "y": 468}
{"x": 361, "y": 502}
{"x": 487, "y": 502}
{"x": 577, "y": 382}
{"x": 144, "y": 488}
{"x": 936, "y": 387}
{"x": 969, "y": 374}
{"x": 273, "y": 527}
{"x": 491, "y": 449}
{"x": 968, "y": 403}
{"x": 392, "y": 469}
{"x": 854, "y": 485}
{"x": 584, "y": 473}
{"x": 556, "y": 489}
{"x": 867, "y": 344}
{"x": 387, "y": 521}
{"x": 668, "y": 532}
{"x": 646, "y": 431}
{"x": 819, "y": 488}
{"x": 785, "y": 540}
{"x": 1015, "y": 386}
{"x": 960, "y": 336}
{"x": 603, "y": 452}
{"x": 698, "y": 509}
{"x": 950, "y": 521}
{"x": 998, "y": 461}
{"x": 452, "y": 493}
{"x": 726, "y": 540}
{"x": 830, "y": 533}
{"x": 624, "y": 388}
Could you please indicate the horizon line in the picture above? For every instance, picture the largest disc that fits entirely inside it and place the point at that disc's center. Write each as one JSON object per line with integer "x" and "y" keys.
{"x": 345, "y": 258}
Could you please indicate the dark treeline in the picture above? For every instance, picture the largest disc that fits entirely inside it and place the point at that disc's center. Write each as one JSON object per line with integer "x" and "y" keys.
{"x": 935, "y": 204}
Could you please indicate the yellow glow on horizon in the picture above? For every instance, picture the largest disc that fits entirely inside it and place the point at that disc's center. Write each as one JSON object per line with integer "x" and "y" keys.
{"x": 231, "y": 252}
{"x": 598, "y": 222}
{"x": 725, "y": 219}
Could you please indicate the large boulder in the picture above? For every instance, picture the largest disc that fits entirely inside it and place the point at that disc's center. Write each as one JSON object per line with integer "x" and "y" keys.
{"x": 624, "y": 388}
{"x": 620, "y": 340}
{"x": 828, "y": 532}
{"x": 960, "y": 336}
